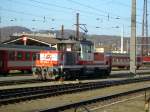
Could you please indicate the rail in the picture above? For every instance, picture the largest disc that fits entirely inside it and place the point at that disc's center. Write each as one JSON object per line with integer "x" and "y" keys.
{"x": 93, "y": 100}
{"x": 21, "y": 94}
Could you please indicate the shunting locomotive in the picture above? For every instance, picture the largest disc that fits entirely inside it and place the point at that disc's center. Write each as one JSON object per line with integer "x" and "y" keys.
{"x": 72, "y": 59}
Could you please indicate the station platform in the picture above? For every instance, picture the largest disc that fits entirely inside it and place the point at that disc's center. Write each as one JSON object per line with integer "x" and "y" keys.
{"x": 13, "y": 78}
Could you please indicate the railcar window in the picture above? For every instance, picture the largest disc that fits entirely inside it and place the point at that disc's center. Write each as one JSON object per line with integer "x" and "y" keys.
{"x": 27, "y": 55}
{"x": 11, "y": 55}
{"x": 117, "y": 60}
{"x": 19, "y": 55}
{"x": 113, "y": 59}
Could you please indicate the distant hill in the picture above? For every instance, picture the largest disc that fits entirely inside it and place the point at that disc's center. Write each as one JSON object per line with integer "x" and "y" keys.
{"x": 106, "y": 39}
{"x": 67, "y": 32}
{"x": 5, "y": 32}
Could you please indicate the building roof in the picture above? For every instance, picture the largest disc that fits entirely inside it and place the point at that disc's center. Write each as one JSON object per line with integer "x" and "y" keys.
{"x": 38, "y": 39}
{"x": 26, "y": 48}
{"x": 43, "y": 40}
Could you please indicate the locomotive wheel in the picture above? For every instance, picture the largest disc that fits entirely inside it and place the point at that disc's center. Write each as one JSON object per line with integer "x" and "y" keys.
{"x": 44, "y": 73}
{"x": 107, "y": 73}
{"x": 83, "y": 71}
{"x": 97, "y": 72}
{"x": 68, "y": 75}
{"x": 22, "y": 71}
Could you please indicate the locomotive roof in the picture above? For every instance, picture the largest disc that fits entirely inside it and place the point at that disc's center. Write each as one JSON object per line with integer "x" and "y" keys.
{"x": 23, "y": 47}
{"x": 68, "y": 41}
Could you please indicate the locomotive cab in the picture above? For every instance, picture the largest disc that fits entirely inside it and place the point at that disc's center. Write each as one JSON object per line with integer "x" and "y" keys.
{"x": 86, "y": 51}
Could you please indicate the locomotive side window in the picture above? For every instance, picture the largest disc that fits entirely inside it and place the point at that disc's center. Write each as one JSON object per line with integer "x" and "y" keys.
{"x": 19, "y": 55}
{"x": 27, "y": 56}
{"x": 11, "y": 55}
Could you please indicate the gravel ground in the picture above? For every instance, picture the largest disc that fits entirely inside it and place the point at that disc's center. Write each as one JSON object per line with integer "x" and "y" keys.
{"x": 115, "y": 76}
{"x": 34, "y": 105}
{"x": 136, "y": 105}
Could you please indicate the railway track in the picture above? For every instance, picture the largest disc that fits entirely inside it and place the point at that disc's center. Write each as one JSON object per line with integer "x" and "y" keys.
{"x": 8, "y": 96}
{"x": 16, "y": 82}
{"x": 97, "y": 101}
{"x": 29, "y": 81}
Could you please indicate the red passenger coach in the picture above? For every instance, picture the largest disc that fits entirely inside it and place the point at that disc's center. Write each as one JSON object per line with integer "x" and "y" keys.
{"x": 123, "y": 60}
{"x": 17, "y": 57}
{"x": 146, "y": 60}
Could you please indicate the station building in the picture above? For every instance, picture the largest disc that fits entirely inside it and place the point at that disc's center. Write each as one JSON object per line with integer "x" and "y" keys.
{"x": 37, "y": 39}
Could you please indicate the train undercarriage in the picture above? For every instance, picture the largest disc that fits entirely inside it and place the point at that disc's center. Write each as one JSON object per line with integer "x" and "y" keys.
{"x": 67, "y": 73}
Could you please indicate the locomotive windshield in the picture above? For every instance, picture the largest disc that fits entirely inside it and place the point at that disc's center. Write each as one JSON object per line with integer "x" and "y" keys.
{"x": 86, "y": 50}
{"x": 86, "y": 46}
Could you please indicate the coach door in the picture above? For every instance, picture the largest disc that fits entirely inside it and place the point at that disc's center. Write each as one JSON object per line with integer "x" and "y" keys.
{"x": 2, "y": 61}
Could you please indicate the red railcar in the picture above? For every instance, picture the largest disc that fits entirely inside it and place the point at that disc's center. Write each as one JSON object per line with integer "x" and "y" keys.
{"x": 146, "y": 60}
{"x": 17, "y": 57}
{"x": 123, "y": 60}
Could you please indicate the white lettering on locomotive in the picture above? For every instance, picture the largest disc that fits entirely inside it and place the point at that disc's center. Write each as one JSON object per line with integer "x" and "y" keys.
{"x": 48, "y": 56}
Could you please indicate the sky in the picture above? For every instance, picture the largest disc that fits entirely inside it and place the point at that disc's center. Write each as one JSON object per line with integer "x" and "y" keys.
{"x": 102, "y": 17}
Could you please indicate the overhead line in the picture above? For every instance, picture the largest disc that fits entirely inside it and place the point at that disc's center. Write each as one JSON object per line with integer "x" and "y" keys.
{"x": 19, "y": 12}
{"x": 93, "y": 8}
{"x": 68, "y": 8}
{"x": 45, "y": 8}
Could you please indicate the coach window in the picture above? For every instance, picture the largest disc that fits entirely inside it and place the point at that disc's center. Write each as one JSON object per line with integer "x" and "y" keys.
{"x": 19, "y": 55}
{"x": 117, "y": 60}
{"x": 114, "y": 59}
{"x": 11, "y": 55}
{"x": 27, "y": 56}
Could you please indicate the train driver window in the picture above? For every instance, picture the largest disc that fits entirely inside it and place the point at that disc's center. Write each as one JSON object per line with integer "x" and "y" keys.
{"x": 88, "y": 48}
{"x": 19, "y": 55}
